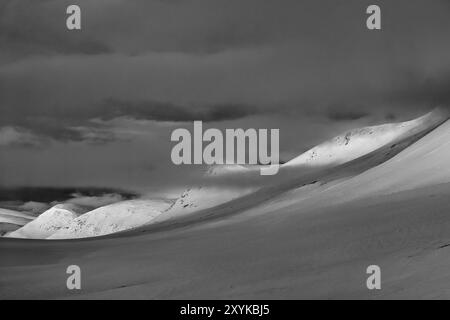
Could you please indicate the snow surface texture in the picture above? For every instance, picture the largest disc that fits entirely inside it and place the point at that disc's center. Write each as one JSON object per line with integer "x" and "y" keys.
{"x": 111, "y": 218}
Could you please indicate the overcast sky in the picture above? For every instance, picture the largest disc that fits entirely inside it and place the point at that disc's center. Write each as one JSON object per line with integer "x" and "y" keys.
{"x": 96, "y": 107}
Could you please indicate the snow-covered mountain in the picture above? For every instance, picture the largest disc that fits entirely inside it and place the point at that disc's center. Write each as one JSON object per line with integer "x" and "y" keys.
{"x": 319, "y": 231}
{"x": 220, "y": 184}
{"x": 211, "y": 193}
{"x": 424, "y": 163}
{"x": 358, "y": 142}
{"x": 111, "y": 218}
{"x": 336, "y": 151}
{"x": 199, "y": 198}
{"x": 47, "y": 223}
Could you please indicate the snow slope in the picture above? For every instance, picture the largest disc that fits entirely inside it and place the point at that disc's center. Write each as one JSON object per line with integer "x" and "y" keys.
{"x": 226, "y": 169}
{"x": 424, "y": 163}
{"x": 11, "y": 220}
{"x": 200, "y": 198}
{"x": 15, "y": 217}
{"x": 394, "y": 214}
{"x": 209, "y": 194}
{"x": 111, "y": 218}
{"x": 135, "y": 213}
{"x": 47, "y": 223}
{"x": 338, "y": 151}
{"x": 359, "y": 142}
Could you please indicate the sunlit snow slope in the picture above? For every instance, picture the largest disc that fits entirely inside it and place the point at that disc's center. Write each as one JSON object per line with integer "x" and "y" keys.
{"x": 47, "y": 223}
{"x": 112, "y": 218}
{"x": 359, "y": 142}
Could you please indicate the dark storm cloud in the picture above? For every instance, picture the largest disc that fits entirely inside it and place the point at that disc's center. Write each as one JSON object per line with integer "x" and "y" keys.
{"x": 344, "y": 113}
{"x": 432, "y": 91}
{"x": 29, "y": 27}
{"x": 37, "y": 131}
{"x": 50, "y": 194}
{"x": 250, "y": 52}
{"x": 165, "y": 111}
{"x": 309, "y": 67}
{"x": 38, "y": 27}
{"x": 80, "y": 125}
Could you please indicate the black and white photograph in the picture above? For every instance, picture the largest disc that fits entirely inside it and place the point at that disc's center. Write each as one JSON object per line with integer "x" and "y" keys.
{"x": 224, "y": 150}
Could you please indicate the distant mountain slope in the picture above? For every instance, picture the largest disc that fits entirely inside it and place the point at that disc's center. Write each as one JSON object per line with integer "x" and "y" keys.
{"x": 47, "y": 223}
{"x": 211, "y": 193}
{"x": 11, "y": 220}
{"x": 337, "y": 151}
{"x": 359, "y": 142}
{"x": 200, "y": 198}
{"x": 352, "y": 156}
{"x": 14, "y": 216}
{"x": 111, "y": 218}
{"x": 310, "y": 237}
{"x": 424, "y": 163}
